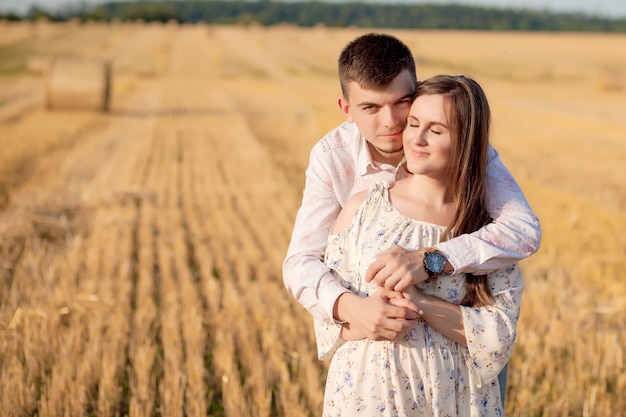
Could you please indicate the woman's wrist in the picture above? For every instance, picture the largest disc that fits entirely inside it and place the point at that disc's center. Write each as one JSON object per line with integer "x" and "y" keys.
{"x": 417, "y": 297}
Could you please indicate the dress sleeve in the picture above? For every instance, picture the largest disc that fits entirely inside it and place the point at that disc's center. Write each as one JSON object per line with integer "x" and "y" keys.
{"x": 513, "y": 235}
{"x": 305, "y": 275}
{"x": 491, "y": 330}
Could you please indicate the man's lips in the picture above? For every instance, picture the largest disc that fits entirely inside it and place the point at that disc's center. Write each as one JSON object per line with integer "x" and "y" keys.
{"x": 393, "y": 134}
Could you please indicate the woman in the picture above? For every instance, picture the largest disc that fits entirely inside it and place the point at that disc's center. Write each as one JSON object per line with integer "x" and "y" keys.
{"x": 447, "y": 365}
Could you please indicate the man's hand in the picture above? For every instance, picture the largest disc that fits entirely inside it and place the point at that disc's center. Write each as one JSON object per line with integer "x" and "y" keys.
{"x": 384, "y": 315}
{"x": 397, "y": 268}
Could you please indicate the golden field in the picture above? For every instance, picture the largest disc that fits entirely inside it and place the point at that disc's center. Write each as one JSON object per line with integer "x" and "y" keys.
{"x": 141, "y": 249}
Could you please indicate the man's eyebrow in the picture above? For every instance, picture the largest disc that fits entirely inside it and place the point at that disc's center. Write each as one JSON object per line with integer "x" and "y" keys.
{"x": 366, "y": 104}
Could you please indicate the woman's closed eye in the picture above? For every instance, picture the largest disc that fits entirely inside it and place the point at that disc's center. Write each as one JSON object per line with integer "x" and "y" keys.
{"x": 413, "y": 122}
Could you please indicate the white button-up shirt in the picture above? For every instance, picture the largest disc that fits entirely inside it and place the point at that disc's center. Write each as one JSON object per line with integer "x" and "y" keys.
{"x": 341, "y": 165}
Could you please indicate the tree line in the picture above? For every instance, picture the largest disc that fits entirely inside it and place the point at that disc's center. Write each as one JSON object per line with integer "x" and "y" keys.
{"x": 311, "y": 13}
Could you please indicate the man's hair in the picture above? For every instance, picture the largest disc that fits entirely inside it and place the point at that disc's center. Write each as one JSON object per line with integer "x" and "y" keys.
{"x": 373, "y": 60}
{"x": 469, "y": 119}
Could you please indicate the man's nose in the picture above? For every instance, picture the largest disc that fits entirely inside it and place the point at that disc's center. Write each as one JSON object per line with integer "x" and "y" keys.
{"x": 391, "y": 116}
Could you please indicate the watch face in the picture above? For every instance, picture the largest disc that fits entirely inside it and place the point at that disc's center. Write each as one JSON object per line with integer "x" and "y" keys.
{"x": 435, "y": 262}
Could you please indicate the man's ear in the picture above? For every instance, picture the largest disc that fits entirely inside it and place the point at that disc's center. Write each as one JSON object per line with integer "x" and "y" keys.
{"x": 344, "y": 106}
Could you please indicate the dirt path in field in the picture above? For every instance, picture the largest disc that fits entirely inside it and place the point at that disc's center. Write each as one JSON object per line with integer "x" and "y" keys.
{"x": 126, "y": 232}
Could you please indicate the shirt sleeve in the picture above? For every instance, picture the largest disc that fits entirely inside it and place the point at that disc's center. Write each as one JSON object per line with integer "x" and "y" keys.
{"x": 491, "y": 330}
{"x": 305, "y": 275}
{"x": 328, "y": 339}
{"x": 514, "y": 233}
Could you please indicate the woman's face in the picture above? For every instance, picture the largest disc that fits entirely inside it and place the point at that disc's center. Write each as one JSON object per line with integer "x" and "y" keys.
{"x": 426, "y": 137}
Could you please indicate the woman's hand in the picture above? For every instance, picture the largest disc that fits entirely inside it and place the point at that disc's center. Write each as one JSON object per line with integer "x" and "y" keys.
{"x": 384, "y": 315}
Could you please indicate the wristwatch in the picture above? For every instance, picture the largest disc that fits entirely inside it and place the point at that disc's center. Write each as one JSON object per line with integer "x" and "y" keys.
{"x": 434, "y": 263}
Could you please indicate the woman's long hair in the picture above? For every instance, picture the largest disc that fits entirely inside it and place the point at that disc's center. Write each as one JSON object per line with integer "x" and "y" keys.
{"x": 469, "y": 119}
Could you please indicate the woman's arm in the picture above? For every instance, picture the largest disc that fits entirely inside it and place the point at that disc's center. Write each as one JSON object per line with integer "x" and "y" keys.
{"x": 441, "y": 315}
{"x": 488, "y": 332}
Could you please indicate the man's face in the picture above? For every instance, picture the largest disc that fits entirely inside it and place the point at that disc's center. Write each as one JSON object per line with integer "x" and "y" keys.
{"x": 381, "y": 116}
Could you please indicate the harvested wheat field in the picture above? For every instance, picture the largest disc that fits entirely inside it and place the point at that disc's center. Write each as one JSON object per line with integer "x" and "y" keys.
{"x": 141, "y": 248}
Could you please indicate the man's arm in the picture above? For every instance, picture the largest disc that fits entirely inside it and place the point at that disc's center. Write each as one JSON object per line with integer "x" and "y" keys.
{"x": 310, "y": 281}
{"x": 305, "y": 275}
{"x": 513, "y": 235}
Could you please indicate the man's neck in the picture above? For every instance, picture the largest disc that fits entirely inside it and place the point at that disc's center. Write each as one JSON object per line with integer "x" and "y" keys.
{"x": 384, "y": 158}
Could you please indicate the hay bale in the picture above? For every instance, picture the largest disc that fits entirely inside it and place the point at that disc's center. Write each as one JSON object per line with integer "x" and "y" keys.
{"x": 78, "y": 84}
{"x": 38, "y": 65}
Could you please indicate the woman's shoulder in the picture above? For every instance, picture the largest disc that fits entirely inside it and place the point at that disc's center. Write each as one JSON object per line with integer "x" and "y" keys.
{"x": 349, "y": 210}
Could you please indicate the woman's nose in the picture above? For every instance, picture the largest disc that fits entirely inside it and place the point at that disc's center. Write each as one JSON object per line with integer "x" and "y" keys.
{"x": 417, "y": 136}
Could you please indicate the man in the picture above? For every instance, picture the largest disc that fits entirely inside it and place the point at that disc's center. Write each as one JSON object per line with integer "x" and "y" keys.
{"x": 378, "y": 79}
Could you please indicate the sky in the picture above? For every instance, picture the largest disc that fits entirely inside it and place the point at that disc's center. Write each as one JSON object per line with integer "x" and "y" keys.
{"x": 610, "y": 8}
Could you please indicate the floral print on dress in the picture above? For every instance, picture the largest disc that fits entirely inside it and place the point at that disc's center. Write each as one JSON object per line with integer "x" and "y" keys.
{"x": 425, "y": 374}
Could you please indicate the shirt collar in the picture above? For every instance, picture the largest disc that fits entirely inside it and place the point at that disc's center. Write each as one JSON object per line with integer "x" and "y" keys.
{"x": 365, "y": 162}
{"x": 401, "y": 170}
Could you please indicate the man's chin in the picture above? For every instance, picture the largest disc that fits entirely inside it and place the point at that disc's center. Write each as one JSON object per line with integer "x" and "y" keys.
{"x": 391, "y": 152}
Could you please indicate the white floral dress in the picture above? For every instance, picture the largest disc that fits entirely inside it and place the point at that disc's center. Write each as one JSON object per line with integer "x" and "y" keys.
{"x": 426, "y": 373}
